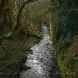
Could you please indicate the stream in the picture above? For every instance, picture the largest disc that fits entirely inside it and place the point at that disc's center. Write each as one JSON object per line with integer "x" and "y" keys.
{"x": 40, "y": 61}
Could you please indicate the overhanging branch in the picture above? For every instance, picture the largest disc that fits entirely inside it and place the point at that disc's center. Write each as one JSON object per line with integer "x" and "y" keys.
{"x": 19, "y": 13}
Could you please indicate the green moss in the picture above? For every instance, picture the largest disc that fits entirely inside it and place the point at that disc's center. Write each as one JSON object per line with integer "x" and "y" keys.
{"x": 65, "y": 71}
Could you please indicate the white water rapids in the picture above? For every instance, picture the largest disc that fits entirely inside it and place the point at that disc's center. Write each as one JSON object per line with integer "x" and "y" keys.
{"x": 40, "y": 61}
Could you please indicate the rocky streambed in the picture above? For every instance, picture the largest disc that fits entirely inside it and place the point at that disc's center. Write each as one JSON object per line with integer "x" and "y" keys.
{"x": 41, "y": 62}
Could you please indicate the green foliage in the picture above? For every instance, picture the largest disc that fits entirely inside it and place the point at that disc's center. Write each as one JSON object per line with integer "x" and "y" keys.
{"x": 19, "y": 30}
{"x": 64, "y": 18}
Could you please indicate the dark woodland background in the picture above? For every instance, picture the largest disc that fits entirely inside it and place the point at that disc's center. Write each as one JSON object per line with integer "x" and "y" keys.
{"x": 20, "y": 22}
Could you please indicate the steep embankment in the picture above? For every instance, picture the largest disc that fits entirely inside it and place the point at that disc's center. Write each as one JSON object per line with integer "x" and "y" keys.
{"x": 15, "y": 44}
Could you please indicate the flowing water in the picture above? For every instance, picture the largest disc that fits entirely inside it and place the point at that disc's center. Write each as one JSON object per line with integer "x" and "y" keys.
{"x": 40, "y": 61}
